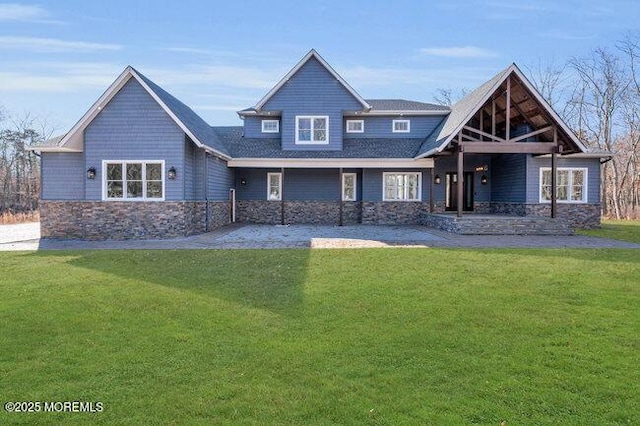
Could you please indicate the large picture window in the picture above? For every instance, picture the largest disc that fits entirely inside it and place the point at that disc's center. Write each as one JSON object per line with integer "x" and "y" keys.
{"x": 133, "y": 180}
{"x": 571, "y": 185}
{"x": 402, "y": 186}
{"x": 312, "y": 129}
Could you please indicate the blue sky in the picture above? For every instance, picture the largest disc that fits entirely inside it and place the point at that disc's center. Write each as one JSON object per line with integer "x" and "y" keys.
{"x": 57, "y": 57}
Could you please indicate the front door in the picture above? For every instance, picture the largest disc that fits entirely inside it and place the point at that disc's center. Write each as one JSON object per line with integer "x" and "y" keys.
{"x": 451, "y": 196}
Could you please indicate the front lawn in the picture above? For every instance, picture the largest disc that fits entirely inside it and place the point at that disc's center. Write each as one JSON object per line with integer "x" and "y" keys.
{"x": 371, "y": 336}
{"x": 624, "y": 230}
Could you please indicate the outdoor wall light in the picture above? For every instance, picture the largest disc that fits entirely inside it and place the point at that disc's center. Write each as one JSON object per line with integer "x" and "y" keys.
{"x": 436, "y": 180}
{"x": 91, "y": 173}
{"x": 483, "y": 179}
{"x": 172, "y": 173}
{"x": 243, "y": 181}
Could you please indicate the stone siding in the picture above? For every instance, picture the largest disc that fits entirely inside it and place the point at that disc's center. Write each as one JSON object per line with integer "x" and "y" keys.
{"x": 578, "y": 215}
{"x": 298, "y": 212}
{"x": 393, "y": 212}
{"x": 263, "y": 211}
{"x": 120, "y": 220}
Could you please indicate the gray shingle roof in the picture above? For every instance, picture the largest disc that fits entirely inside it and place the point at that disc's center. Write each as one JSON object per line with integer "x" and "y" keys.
{"x": 188, "y": 117}
{"x": 404, "y": 105}
{"x": 241, "y": 147}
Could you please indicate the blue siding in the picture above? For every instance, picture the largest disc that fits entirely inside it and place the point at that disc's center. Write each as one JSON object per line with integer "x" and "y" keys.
{"x": 220, "y": 179}
{"x": 312, "y": 91}
{"x": 449, "y": 164}
{"x": 593, "y": 175}
{"x": 256, "y": 186}
{"x": 253, "y": 128}
{"x": 63, "y": 176}
{"x": 189, "y": 170}
{"x": 372, "y": 183}
{"x": 299, "y": 184}
{"x": 508, "y": 178}
{"x": 132, "y": 126}
{"x": 312, "y": 184}
{"x": 381, "y": 127}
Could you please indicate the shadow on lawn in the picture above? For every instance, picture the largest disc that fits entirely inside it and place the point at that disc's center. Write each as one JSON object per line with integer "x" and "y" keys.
{"x": 264, "y": 279}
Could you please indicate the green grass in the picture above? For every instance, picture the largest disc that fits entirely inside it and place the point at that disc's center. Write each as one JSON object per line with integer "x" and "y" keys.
{"x": 372, "y": 336}
{"x": 624, "y": 230}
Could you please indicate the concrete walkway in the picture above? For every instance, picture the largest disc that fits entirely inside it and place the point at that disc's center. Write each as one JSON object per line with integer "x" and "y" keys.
{"x": 300, "y": 236}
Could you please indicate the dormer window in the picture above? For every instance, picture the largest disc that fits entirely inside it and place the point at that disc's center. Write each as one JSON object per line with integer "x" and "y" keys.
{"x": 312, "y": 129}
{"x": 270, "y": 126}
{"x": 401, "y": 126}
{"x": 355, "y": 126}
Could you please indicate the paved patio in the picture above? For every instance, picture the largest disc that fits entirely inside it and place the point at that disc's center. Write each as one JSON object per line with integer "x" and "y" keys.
{"x": 26, "y": 237}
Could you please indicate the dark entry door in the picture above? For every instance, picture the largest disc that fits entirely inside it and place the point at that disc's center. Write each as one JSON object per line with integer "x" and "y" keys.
{"x": 451, "y": 199}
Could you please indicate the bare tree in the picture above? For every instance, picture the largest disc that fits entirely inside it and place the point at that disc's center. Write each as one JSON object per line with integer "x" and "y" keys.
{"x": 448, "y": 96}
{"x": 550, "y": 79}
{"x": 19, "y": 168}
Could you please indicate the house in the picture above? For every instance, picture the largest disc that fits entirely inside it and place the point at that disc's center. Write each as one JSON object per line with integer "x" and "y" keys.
{"x": 141, "y": 164}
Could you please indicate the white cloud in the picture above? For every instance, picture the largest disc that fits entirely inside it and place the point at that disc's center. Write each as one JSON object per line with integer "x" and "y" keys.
{"x": 459, "y": 52}
{"x": 51, "y": 45}
{"x": 24, "y": 13}
{"x": 58, "y": 77}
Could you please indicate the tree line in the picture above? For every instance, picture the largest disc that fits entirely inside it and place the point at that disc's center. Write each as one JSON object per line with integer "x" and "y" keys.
{"x": 19, "y": 168}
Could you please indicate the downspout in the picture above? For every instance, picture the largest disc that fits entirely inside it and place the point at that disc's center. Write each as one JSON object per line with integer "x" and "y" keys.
{"x": 340, "y": 223}
{"x": 205, "y": 185}
{"x": 232, "y": 196}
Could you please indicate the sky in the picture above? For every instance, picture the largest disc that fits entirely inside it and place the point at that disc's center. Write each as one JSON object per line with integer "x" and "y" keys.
{"x": 58, "y": 57}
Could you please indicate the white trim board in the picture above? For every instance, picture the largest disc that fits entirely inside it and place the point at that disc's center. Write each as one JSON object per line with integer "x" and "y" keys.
{"x": 332, "y": 163}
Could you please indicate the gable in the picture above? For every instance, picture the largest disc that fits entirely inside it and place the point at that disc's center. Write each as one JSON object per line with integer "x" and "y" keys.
{"x": 485, "y": 109}
{"x": 188, "y": 121}
{"x": 312, "y": 86}
{"x": 311, "y": 56}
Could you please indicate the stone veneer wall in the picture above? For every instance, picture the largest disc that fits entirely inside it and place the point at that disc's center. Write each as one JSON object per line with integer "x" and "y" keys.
{"x": 578, "y": 215}
{"x": 298, "y": 212}
{"x": 100, "y": 220}
{"x": 393, "y": 212}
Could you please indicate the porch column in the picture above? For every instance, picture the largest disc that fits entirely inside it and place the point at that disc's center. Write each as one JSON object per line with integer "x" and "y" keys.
{"x": 282, "y": 196}
{"x": 554, "y": 183}
{"x": 460, "y": 186}
{"x": 340, "y": 223}
{"x": 431, "y": 203}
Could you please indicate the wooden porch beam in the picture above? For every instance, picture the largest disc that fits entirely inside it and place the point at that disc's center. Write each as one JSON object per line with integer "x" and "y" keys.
{"x": 480, "y": 132}
{"x": 508, "y": 110}
{"x": 508, "y": 147}
{"x": 528, "y": 135}
{"x": 460, "y": 173}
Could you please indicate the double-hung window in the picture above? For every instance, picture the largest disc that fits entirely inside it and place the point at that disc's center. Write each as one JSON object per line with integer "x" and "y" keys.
{"x": 349, "y": 186}
{"x": 571, "y": 185}
{"x": 312, "y": 129}
{"x": 402, "y": 186}
{"x": 133, "y": 180}
{"x": 274, "y": 186}
{"x": 270, "y": 126}
{"x": 355, "y": 126}
{"x": 401, "y": 126}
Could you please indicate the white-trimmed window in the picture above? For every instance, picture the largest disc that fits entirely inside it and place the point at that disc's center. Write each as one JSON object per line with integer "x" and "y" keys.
{"x": 312, "y": 129}
{"x": 355, "y": 126}
{"x": 349, "y": 186}
{"x": 133, "y": 180}
{"x": 571, "y": 184}
{"x": 401, "y": 126}
{"x": 402, "y": 186}
{"x": 274, "y": 186}
{"x": 270, "y": 126}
